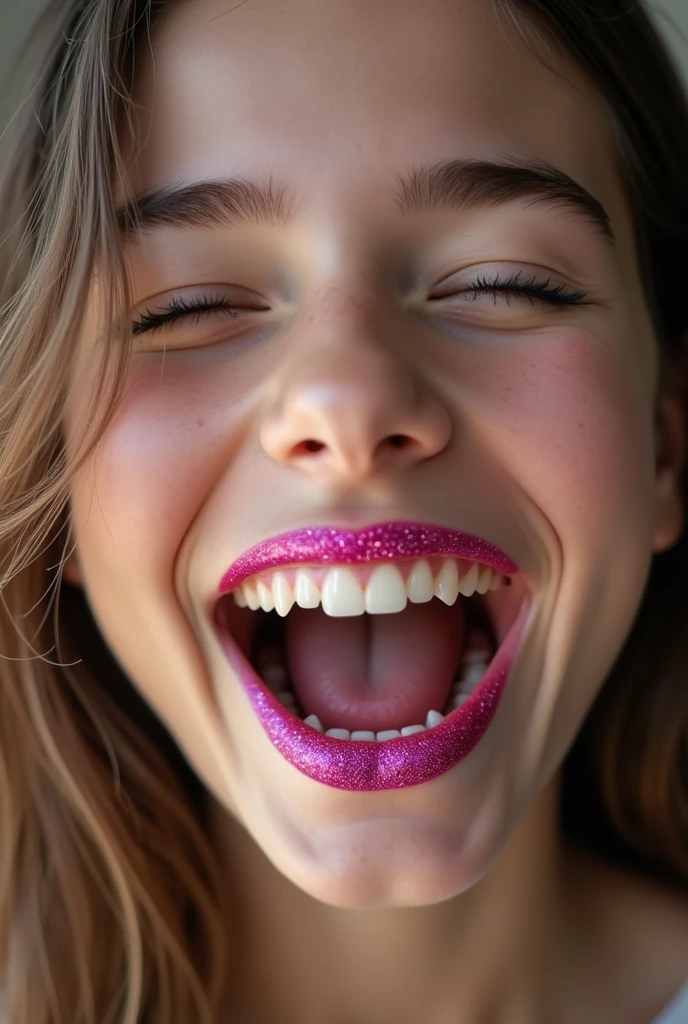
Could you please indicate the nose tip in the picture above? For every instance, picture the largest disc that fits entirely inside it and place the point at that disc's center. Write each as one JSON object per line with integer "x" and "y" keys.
{"x": 345, "y": 420}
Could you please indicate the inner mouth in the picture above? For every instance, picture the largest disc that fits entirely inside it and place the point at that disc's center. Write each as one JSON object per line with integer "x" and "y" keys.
{"x": 370, "y": 674}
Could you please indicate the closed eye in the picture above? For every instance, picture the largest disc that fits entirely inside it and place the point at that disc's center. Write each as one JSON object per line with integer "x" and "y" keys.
{"x": 200, "y": 306}
{"x": 181, "y": 309}
{"x": 556, "y": 296}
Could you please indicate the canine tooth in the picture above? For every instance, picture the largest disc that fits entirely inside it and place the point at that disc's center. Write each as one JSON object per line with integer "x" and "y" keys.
{"x": 363, "y": 734}
{"x": 314, "y": 723}
{"x": 387, "y": 734}
{"x": 306, "y": 592}
{"x": 265, "y": 597}
{"x": 251, "y": 597}
{"x": 385, "y": 591}
{"x": 239, "y": 597}
{"x": 433, "y": 718}
{"x": 419, "y": 585}
{"x": 496, "y": 581}
{"x": 282, "y": 594}
{"x": 409, "y": 730}
{"x": 447, "y": 582}
{"x": 467, "y": 583}
{"x": 339, "y": 734}
{"x": 342, "y": 594}
{"x": 484, "y": 580}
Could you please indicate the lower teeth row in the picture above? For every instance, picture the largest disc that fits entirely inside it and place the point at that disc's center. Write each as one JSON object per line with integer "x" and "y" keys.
{"x": 473, "y": 668}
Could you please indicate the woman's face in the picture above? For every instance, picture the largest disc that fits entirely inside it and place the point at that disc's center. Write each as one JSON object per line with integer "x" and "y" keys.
{"x": 528, "y": 424}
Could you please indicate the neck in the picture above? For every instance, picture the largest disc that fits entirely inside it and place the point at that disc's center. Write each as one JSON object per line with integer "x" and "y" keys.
{"x": 498, "y": 951}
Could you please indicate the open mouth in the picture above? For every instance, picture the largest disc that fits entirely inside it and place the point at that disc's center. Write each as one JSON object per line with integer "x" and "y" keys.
{"x": 374, "y": 675}
{"x": 362, "y": 675}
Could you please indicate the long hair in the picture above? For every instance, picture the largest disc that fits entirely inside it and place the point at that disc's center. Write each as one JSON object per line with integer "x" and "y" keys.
{"x": 108, "y": 883}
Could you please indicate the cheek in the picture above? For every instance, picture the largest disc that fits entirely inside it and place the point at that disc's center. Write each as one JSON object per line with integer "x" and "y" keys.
{"x": 172, "y": 436}
{"x": 575, "y": 428}
{"x": 134, "y": 507}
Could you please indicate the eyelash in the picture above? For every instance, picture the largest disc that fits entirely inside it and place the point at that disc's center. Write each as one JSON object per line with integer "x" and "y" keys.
{"x": 182, "y": 309}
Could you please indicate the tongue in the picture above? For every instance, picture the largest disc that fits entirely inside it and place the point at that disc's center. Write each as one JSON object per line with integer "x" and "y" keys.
{"x": 374, "y": 671}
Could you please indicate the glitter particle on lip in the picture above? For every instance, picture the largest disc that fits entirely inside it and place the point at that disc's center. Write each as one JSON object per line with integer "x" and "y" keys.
{"x": 405, "y": 761}
{"x": 369, "y": 765}
{"x": 383, "y": 541}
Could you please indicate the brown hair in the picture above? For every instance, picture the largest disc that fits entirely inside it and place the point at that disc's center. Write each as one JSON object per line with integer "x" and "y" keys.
{"x": 103, "y": 849}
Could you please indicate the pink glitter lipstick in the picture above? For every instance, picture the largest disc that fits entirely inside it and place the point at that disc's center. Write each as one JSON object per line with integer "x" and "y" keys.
{"x": 383, "y": 541}
{"x": 361, "y": 765}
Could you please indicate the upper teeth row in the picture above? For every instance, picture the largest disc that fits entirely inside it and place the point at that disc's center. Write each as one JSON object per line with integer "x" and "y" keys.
{"x": 341, "y": 593}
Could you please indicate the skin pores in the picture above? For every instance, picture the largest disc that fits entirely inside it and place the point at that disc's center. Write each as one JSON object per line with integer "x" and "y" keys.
{"x": 534, "y": 426}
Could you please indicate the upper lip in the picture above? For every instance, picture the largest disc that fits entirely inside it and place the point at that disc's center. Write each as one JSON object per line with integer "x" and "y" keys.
{"x": 334, "y": 544}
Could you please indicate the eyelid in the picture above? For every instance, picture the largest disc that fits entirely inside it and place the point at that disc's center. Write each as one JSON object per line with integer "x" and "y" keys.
{"x": 505, "y": 270}
{"x": 538, "y": 286}
{"x": 181, "y": 307}
{"x": 172, "y": 309}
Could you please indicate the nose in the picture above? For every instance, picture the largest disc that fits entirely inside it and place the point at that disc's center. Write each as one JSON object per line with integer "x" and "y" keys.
{"x": 348, "y": 407}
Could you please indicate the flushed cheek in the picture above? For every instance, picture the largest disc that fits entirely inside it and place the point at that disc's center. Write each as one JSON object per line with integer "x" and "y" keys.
{"x": 570, "y": 424}
{"x": 577, "y": 434}
{"x": 134, "y": 508}
{"x": 159, "y": 459}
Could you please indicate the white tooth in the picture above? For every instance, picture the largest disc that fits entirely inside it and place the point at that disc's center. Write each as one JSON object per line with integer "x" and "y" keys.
{"x": 286, "y": 698}
{"x": 447, "y": 582}
{"x": 339, "y": 734}
{"x": 265, "y": 597}
{"x": 433, "y": 718}
{"x": 467, "y": 583}
{"x": 473, "y": 675}
{"x": 419, "y": 586}
{"x": 460, "y": 699}
{"x": 387, "y": 734}
{"x": 274, "y": 675}
{"x": 484, "y": 580}
{"x": 496, "y": 581}
{"x": 409, "y": 730}
{"x": 282, "y": 594}
{"x": 342, "y": 594}
{"x": 251, "y": 597}
{"x": 239, "y": 597}
{"x": 385, "y": 591}
{"x": 314, "y": 723}
{"x": 363, "y": 734}
{"x": 306, "y": 593}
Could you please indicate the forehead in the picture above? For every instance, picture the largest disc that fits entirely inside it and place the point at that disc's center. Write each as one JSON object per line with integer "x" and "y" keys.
{"x": 338, "y": 94}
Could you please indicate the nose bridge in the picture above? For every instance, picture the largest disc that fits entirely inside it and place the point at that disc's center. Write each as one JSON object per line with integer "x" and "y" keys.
{"x": 347, "y": 401}
{"x": 346, "y": 351}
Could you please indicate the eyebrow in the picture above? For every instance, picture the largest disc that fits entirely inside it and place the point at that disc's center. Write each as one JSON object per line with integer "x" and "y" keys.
{"x": 460, "y": 184}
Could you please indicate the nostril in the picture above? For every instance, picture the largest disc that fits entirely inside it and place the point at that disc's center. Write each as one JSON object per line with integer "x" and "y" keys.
{"x": 396, "y": 440}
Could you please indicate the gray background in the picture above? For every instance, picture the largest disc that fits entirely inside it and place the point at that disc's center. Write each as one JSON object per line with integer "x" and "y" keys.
{"x": 670, "y": 15}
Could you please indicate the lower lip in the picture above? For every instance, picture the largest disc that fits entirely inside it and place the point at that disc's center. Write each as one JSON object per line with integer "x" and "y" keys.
{"x": 367, "y": 765}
